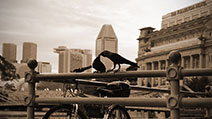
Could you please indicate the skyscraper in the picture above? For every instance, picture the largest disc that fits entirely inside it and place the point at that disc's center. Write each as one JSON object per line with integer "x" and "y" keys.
{"x": 29, "y": 51}
{"x": 63, "y": 57}
{"x": 9, "y": 52}
{"x": 86, "y": 57}
{"x": 70, "y": 59}
{"x": 106, "y": 40}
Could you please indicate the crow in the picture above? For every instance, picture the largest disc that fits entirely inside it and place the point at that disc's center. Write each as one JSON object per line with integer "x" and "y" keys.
{"x": 97, "y": 65}
{"x": 117, "y": 59}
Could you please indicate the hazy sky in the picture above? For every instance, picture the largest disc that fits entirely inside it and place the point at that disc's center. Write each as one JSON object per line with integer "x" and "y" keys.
{"x": 76, "y": 23}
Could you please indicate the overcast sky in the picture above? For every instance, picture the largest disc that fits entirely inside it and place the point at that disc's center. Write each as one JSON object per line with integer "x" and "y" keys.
{"x": 76, "y": 23}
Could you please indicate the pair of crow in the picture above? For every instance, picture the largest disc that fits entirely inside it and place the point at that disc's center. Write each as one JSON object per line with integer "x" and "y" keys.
{"x": 114, "y": 57}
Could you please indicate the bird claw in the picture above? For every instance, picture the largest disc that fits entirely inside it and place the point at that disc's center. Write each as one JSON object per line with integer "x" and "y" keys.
{"x": 110, "y": 70}
{"x": 116, "y": 71}
{"x": 95, "y": 72}
{"x": 98, "y": 72}
{"x": 113, "y": 70}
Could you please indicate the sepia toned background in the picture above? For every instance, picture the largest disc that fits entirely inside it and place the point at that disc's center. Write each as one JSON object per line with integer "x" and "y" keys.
{"x": 76, "y": 23}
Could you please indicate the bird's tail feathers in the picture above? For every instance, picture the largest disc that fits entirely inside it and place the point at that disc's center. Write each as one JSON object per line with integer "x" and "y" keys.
{"x": 133, "y": 64}
{"x": 136, "y": 65}
{"x": 82, "y": 69}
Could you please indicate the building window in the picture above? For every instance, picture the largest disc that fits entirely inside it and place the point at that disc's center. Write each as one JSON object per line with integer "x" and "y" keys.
{"x": 204, "y": 13}
{"x": 163, "y": 65}
{"x": 165, "y": 25}
{"x": 196, "y": 61}
{"x": 210, "y": 34}
{"x": 179, "y": 21}
{"x": 187, "y": 18}
{"x": 171, "y": 23}
{"x": 186, "y": 62}
{"x": 143, "y": 67}
{"x": 195, "y": 16}
{"x": 210, "y": 58}
{"x": 155, "y": 65}
{"x": 149, "y": 66}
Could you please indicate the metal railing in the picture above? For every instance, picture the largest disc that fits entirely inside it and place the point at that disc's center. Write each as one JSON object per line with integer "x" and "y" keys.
{"x": 174, "y": 74}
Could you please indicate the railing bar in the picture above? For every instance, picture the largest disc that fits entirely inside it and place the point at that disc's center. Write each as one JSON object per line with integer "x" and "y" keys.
{"x": 150, "y": 73}
{"x": 161, "y": 73}
{"x": 154, "y": 102}
{"x": 197, "y": 72}
{"x": 143, "y": 102}
{"x": 196, "y": 102}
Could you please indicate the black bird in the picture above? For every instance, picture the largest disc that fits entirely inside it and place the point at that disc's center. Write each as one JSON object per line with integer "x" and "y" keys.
{"x": 97, "y": 65}
{"x": 117, "y": 59}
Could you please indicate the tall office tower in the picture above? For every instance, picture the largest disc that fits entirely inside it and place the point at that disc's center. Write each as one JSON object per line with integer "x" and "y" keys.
{"x": 106, "y": 40}
{"x": 29, "y": 51}
{"x": 62, "y": 64}
{"x": 88, "y": 58}
{"x": 70, "y": 59}
{"x": 9, "y": 52}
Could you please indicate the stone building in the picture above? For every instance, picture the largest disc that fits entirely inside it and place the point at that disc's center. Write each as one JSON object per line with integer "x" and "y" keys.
{"x": 29, "y": 51}
{"x": 9, "y": 52}
{"x": 193, "y": 39}
{"x": 186, "y": 14}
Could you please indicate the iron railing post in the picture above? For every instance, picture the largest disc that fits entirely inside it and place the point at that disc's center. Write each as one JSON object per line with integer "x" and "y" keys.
{"x": 208, "y": 113}
{"x": 174, "y": 76}
{"x": 29, "y": 78}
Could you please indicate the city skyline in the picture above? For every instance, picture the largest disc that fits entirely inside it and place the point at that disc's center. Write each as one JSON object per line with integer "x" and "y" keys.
{"x": 76, "y": 24}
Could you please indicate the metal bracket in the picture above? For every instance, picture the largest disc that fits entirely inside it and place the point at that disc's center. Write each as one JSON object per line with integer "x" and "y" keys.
{"x": 174, "y": 73}
{"x": 30, "y": 100}
{"x": 29, "y": 77}
{"x": 174, "y": 101}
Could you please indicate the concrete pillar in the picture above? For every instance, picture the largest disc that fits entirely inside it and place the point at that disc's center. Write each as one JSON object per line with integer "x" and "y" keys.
{"x": 201, "y": 61}
{"x": 191, "y": 62}
{"x": 145, "y": 79}
{"x": 182, "y": 65}
{"x": 159, "y": 68}
{"x": 139, "y": 81}
{"x": 167, "y": 63}
{"x": 152, "y": 79}
{"x": 183, "y": 62}
{"x": 146, "y": 115}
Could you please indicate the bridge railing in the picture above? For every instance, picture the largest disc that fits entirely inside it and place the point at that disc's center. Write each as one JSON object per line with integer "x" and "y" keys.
{"x": 174, "y": 74}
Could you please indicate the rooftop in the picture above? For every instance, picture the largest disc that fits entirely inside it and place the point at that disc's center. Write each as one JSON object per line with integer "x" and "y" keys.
{"x": 107, "y": 32}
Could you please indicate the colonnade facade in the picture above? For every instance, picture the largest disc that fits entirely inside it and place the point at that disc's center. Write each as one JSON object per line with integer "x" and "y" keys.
{"x": 187, "y": 62}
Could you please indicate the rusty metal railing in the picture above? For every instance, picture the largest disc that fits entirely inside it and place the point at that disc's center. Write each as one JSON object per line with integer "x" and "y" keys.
{"x": 174, "y": 74}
